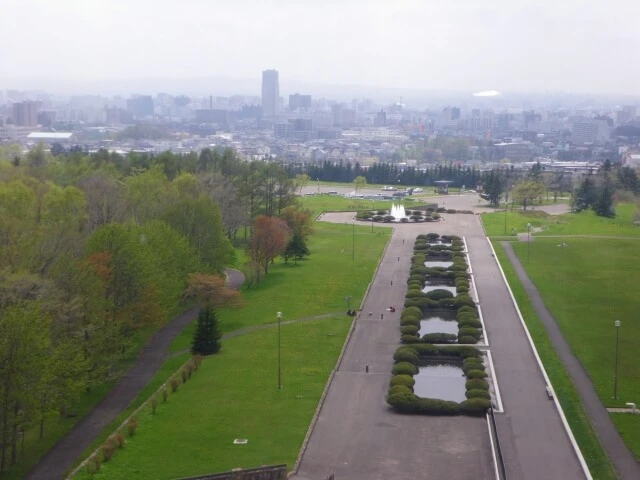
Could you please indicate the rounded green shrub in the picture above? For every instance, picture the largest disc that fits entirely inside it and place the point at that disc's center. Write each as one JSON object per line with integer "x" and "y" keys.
{"x": 409, "y": 330}
{"x": 408, "y": 321}
{"x": 469, "y": 323}
{"x": 400, "y": 389}
{"x": 406, "y": 355}
{"x": 406, "y": 380}
{"x": 414, "y": 293}
{"x": 475, "y": 384}
{"x": 408, "y": 339}
{"x": 467, "y": 340}
{"x": 472, "y": 363}
{"x": 439, "y": 294}
{"x": 425, "y": 349}
{"x": 469, "y": 332}
{"x": 476, "y": 374}
{"x": 404, "y": 368}
{"x": 434, "y": 406}
{"x": 477, "y": 394}
{"x": 439, "y": 338}
{"x": 466, "y": 309}
{"x": 411, "y": 311}
{"x": 462, "y": 300}
{"x": 432, "y": 236}
{"x": 475, "y": 406}
{"x": 403, "y": 402}
{"x": 462, "y": 289}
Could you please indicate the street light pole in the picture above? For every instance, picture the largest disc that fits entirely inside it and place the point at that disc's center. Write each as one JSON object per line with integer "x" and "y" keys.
{"x": 279, "y": 315}
{"x": 506, "y": 207}
{"x": 528, "y": 242}
{"x": 615, "y": 373}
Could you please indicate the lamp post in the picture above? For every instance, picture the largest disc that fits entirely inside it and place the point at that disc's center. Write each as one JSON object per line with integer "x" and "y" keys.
{"x": 528, "y": 242}
{"x": 506, "y": 207}
{"x": 615, "y": 372}
{"x": 279, "y": 315}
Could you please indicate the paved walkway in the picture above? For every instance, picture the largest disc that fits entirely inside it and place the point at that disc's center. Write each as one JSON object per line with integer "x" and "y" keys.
{"x": 623, "y": 460}
{"x": 66, "y": 451}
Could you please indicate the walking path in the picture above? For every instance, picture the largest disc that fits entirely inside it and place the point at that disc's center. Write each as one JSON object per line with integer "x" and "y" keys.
{"x": 64, "y": 453}
{"x": 623, "y": 460}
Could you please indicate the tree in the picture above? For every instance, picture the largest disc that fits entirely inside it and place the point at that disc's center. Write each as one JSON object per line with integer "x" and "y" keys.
{"x": 302, "y": 180}
{"x": 359, "y": 181}
{"x": 527, "y": 191}
{"x": 268, "y": 240}
{"x": 585, "y": 195}
{"x": 210, "y": 290}
{"x": 296, "y": 248}
{"x": 603, "y": 205}
{"x": 298, "y": 220}
{"x": 493, "y": 187}
{"x": 206, "y": 338}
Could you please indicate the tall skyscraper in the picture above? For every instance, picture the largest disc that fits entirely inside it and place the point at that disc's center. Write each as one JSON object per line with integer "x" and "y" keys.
{"x": 270, "y": 93}
{"x": 25, "y": 114}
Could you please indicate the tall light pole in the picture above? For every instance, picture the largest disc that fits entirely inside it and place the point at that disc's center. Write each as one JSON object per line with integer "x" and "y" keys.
{"x": 279, "y": 315}
{"x": 615, "y": 373}
{"x": 528, "y": 242}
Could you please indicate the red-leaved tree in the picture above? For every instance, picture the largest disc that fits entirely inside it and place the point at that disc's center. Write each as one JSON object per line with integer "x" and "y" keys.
{"x": 269, "y": 238}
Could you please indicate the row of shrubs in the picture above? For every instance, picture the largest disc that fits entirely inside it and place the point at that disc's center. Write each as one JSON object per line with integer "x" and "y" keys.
{"x": 417, "y": 303}
{"x": 384, "y": 216}
{"x": 408, "y": 358}
{"x": 117, "y": 440}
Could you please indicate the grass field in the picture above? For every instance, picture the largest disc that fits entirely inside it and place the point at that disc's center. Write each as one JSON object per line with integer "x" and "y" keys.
{"x": 595, "y": 457}
{"x": 234, "y": 395}
{"x": 583, "y": 223}
{"x": 335, "y": 203}
{"x": 315, "y": 286}
{"x": 628, "y": 426}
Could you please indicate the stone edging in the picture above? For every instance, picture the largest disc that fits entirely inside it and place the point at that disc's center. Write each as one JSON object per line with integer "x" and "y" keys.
{"x": 316, "y": 414}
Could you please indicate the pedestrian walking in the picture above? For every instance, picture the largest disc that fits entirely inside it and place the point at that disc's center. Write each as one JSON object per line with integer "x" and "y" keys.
{"x": 398, "y": 258}
{"x": 382, "y": 316}
{"x": 366, "y": 368}
{"x": 392, "y": 283}
{"x": 403, "y": 241}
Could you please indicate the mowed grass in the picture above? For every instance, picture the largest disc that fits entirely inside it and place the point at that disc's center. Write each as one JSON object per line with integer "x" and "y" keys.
{"x": 628, "y": 426}
{"x": 316, "y": 286}
{"x": 337, "y": 203}
{"x": 233, "y": 395}
{"x": 598, "y": 462}
{"x": 583, "y": 223}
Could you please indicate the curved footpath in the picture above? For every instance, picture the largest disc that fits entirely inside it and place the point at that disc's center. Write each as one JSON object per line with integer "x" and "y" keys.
{"x": 63, "y": 454}
{"x": 623, "y": 460}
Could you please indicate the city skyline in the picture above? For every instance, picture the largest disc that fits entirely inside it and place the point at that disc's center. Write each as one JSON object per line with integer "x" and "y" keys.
{"x": 408, "y": 45}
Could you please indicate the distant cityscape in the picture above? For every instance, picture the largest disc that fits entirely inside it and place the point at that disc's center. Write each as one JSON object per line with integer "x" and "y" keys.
{"x": 478, "y": 131}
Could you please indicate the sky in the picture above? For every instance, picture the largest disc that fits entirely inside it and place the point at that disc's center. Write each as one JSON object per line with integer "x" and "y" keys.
{"x": 580, "y": 46}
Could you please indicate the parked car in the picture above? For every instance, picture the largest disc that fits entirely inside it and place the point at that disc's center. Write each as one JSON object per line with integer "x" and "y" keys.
{"x": 417, "y": 190}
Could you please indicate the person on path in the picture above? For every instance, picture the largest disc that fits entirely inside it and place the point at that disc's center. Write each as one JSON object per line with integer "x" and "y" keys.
{"x": 382, "y": 316}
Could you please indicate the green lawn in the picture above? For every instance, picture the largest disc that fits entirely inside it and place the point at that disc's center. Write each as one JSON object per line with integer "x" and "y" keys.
{"x": 315, "y": 286}
{"x": 234, "y": 395}
{"x": 583, "y": 223}
{"x": 628, "y": 426}
{"x": 595, "y": 457}
{"x": 587, "y": 286}
{"x": 335, "y": 203}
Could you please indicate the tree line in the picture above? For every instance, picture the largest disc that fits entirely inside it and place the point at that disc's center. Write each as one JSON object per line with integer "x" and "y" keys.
{"x": 387, "y": 173}
{"x": 96, "y": 253}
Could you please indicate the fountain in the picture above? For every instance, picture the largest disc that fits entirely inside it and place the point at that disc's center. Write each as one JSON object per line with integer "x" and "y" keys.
{"x": 398, "y": 211}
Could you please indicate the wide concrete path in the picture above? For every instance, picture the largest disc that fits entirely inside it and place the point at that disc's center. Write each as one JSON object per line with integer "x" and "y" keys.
{"x": 623, "y": 460}
{"x": 356, "y": 435}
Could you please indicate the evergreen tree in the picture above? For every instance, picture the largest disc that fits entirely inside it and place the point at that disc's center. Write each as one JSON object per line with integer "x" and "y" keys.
{"x": 296, "y": 248}
{"x": 585, "y": 195}
{"x": 206, "y": 338}
{"x": 603, "y": 205}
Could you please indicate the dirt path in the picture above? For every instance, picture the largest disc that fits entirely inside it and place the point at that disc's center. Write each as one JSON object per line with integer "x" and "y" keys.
{"x": 623, "y": 460}
{"x": 63, "y": 454}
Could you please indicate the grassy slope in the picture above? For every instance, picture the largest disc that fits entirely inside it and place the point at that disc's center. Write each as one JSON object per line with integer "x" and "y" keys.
{"x": 595, "y": 457}
{"x": 583, "y": 223}
{"x": 234, "y": 395}
{"x": 334, "y": 203}
{"x": 322, "y": 288}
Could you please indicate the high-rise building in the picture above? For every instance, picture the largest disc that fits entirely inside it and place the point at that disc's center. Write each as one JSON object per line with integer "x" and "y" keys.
{"x": 140, "y": 106}
{"x": 25, "y": 114}
{"x": 298, "y": 101}
{"x": 270, "y": 93}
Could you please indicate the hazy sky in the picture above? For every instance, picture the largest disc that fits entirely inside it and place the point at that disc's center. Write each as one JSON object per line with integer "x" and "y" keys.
{"x": 507, "y": 45}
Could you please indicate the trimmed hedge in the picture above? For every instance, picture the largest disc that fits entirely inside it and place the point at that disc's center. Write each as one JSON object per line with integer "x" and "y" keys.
{"x": 406, "y": 380}
{"x": 406, "y": 355}
{"x": 409, "y": 330}
{"x": 404, "y": 368}
{"x": 402, "y": 389}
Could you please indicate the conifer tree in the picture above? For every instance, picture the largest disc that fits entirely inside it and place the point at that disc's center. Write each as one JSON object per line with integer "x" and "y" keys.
{"x": 206, "y": 338}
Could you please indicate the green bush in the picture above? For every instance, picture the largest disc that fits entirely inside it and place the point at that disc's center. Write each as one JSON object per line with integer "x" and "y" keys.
{"x": 406, "y": 355}
{"x": 419, "y": 270}
{"x": 473, "y": 361}
{"x": 459, "y": 268}
{"x": 447, "y": 302}
{"x": 477, "y": 394}
{"x": 406, "y": 339}
{"x": 381, "y": 212}
{"x": 419, "y": 278}
{"x": 376, "y": 218}
{"x": 469, "y": 332}
{"x": 414, "y": 293}
{"x": 388, "y": 218}
{"x": 476, "y": 384}
{"x": 425, "y": 349}
{"x": 439, "y": 338}
{"x": 411, "y": 311}
{"x": 475, "y": 406}
{"x": 432, "y": 236}
{"x": 434, "y": 406}
{"x": 403, "y": 402}
{"x": 107, "y": 450}
{"x": 462, "y": 289}
{"x": 406, "y": 380}
{"x": 469, "y": 323}
{"x": 463, "y": 300}
{"x": 409, "y": 321}
{"x": 404, "y": 368}
{"x": 476, "y": 374}
{"x": 439, "y": 294}
{"x": 409, "y": 330}
{"x": 467, "y": 340}
{"x": 399, "y": 389}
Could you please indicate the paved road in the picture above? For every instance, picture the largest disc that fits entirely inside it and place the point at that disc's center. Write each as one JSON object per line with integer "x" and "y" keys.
{"x": 623, "y": 460}
{"x": 64, "y": 453}
{"x": 356, "y": 435}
